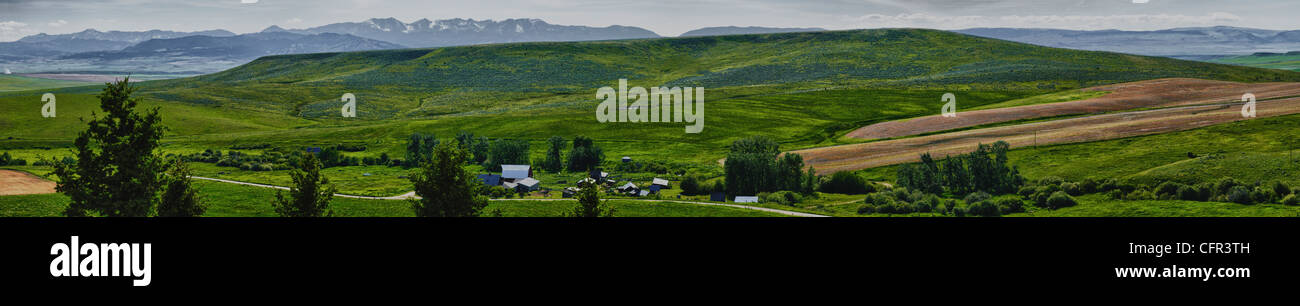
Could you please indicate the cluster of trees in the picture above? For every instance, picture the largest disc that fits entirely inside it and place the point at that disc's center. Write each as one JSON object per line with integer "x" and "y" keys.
{"x": 1221, "y": 190}
{"x": 9, "y": 160}
{"x": 755, "y": 164}
{"x": 963, "y": 174}
{"x": 274, "y": 160}
{"x": 902, "y": 200}
{"x": 583, "y": 155}
{"x": 117, "y": 171}
{"x": 694, "y": 185}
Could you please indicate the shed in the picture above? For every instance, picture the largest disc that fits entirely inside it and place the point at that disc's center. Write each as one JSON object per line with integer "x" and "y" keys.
{"x": 643, "y": 193}
{"x": 718, "y": 197}
{"x": 514, "y": 172}
{"x": 746, "y": 199}
{"x": 531, "y": 184}
{"x": 660, "y": 182}
{"x": 628, "y": 186}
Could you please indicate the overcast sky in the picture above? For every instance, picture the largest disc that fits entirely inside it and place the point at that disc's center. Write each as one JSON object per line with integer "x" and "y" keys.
{"x": 20, "y": 18}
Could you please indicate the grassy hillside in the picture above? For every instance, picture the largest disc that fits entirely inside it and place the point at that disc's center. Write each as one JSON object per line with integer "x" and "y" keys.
{"x": 809, "y": 88}
{"x": 804, "y": 89}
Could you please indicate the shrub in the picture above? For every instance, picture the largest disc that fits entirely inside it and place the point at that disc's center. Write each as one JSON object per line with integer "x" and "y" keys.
{"x": 984, "y": 209}
{"x": 1088, "y": 185}
{"x": 1239, "y": 194}
{"x": 1290, "y": 200}
{"x": 1263, "y": 195}
{"x": 1168, "y": 190}
{"x": 1281, "y": 189}
{"x": 1071, "y": 188}
{"x": 1050, "y": 180}
{"x": 1139, "y": 195}
{"x": 977, "y": 197}
{"x": 1187, "y": 193}
{"x": 1060, "y": 200}
{"x": 844, "y": 182}
{"x": 1224, "y": 186}
{"x": 1026, "y": 191}
{"x": 1011, "y": 205}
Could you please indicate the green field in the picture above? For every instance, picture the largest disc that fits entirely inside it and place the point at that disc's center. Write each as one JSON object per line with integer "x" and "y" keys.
{"x": 230, "y": 200}
{"x": 803, "y": 89}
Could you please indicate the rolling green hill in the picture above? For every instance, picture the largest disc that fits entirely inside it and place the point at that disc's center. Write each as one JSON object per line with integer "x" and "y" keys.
{"x": 804, "y": 89}
{"x": 808, "y": 88}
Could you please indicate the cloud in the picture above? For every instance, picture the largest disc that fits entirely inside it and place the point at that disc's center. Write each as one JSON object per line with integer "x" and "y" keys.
{"x": 1081, "y": 22}
{"x": 58, "y": 23}
{"x": 294, "y": 20}
{"x": 13, "y": 30}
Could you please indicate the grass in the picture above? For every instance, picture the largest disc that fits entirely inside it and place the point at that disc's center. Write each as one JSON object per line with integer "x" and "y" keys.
{"x": 1097, "y": 205}
{"x": 230, "y": 200}
{"x": 1056, "y": 97}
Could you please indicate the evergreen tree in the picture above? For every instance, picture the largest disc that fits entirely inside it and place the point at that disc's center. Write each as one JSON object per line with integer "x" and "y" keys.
{"x": 180, "y": 199}
{"x": 117, "y": 172}
{"x": 310, "y": 194}
{"x": 445, "y": 188}
{"x": 589, "y": 203}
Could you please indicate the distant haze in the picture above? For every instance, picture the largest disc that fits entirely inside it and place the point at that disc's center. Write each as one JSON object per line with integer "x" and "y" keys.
{"x": 19, "y": 18}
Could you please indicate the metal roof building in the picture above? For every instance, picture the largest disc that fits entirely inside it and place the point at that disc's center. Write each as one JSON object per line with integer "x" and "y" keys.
{"x": 516, "y": 171}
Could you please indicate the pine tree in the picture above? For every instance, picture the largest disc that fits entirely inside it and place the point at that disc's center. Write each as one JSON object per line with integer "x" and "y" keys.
{"x": 180, "y": 199}
{"x": 445, "y": 188}
{"x": 117, "y": 172}
{"x": 310, "y": 194}
{"x": 589, "y": 203}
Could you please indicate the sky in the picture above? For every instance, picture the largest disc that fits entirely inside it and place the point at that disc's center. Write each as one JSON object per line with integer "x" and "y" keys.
{"x": 19, "y": 18}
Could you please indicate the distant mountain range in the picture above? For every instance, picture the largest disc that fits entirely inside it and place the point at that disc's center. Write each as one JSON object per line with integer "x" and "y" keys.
{"x": 216, "y": 50}
{"x": 424, "y": 33}
{"x": 1187, "y": 43}
{"x": 718, "y": 31}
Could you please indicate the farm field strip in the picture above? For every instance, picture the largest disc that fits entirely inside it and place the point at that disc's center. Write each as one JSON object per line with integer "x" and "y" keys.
{"x": 18, "y": 183}
{"x": 1136, "y": 95}
{"x": 1073, "y": 130}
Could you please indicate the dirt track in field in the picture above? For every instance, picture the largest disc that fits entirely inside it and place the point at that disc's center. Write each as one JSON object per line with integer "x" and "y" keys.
{"x": 1144, "y": 94}
{"x": 1082, "y": 129}
{"x": 18, "y": 182}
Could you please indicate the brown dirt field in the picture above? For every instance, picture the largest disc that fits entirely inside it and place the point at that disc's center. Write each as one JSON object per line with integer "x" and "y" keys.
{"x": 1083, "y": 129}
{"x": 1144, "y": 94}
{"x": 18, "y": 182}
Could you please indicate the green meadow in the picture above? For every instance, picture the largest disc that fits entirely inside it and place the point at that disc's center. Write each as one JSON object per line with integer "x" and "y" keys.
{"x": 802, "y": 89}
{"x": 230, "y": 200}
